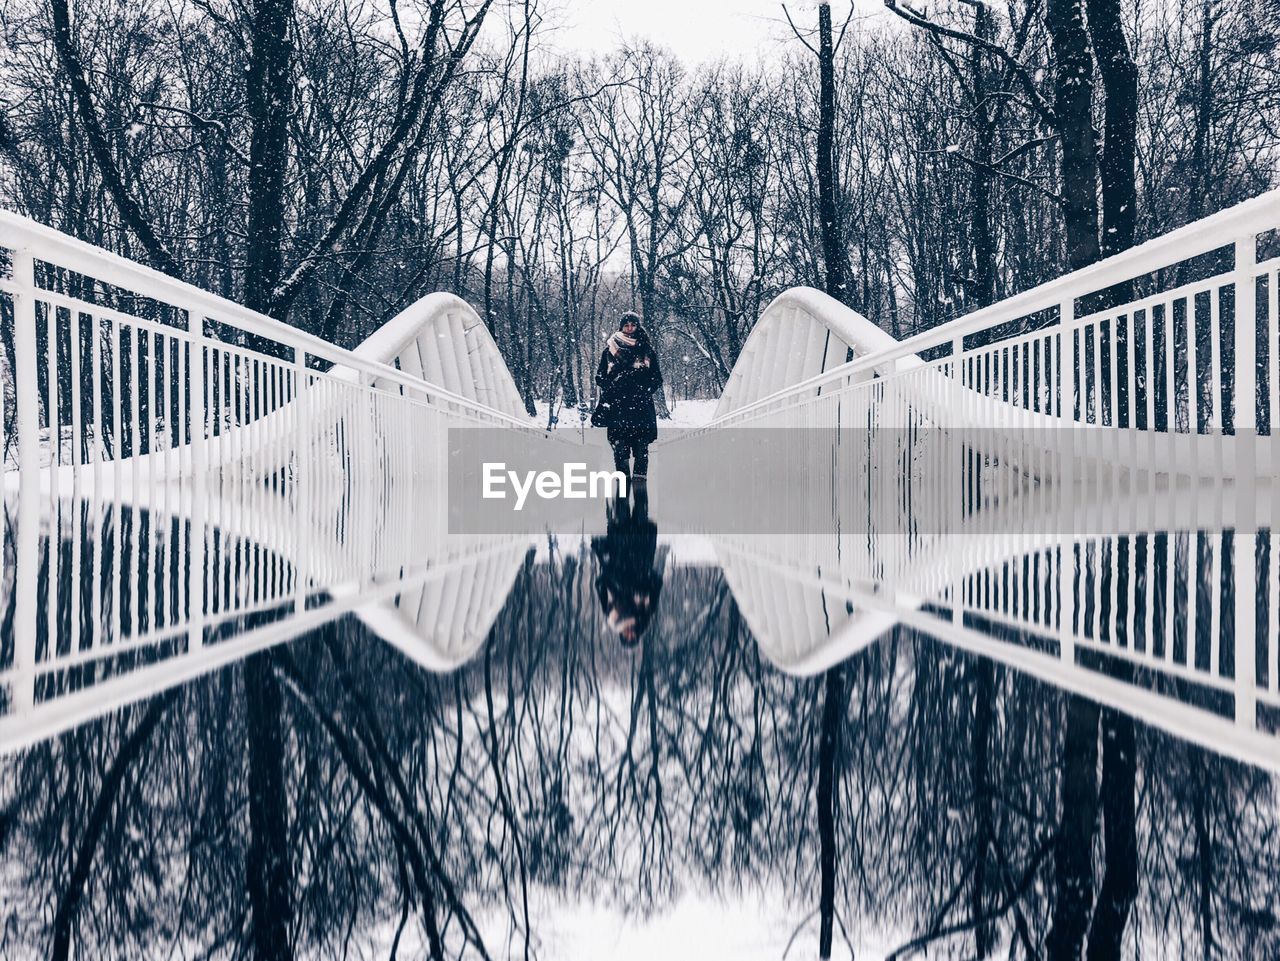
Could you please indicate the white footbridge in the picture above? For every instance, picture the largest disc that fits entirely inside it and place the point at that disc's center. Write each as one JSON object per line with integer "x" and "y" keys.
{"x": 188, "y": 482}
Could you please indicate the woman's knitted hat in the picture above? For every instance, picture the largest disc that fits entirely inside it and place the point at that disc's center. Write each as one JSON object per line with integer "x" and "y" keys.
{"x": 630, "y": 317}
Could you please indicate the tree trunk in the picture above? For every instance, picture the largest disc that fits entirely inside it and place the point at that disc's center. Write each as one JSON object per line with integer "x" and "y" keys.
{"x": 1204, "y": 114}
{"x": 267, "y": 863}
{"x": 1119, "y": 199}
{"x": 1120, "y": 877}
{"x": 1073, "y": 96}
{"x": 981, "y": 236}
{"x": 833, "y": 252}
{"x": 1073, "y": 851}
{"x": 269, "y": 95}
{"x": 1120, "y": 123}
{"x": 980, "y": 760}
{"x": 833, "y": 704}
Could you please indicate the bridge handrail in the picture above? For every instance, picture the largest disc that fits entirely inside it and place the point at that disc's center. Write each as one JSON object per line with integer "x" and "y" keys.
{"x": 24, "y": 236}
{"x": 1239, "y": 225}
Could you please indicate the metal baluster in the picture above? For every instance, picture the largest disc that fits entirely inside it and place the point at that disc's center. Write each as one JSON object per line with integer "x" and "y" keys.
{"x": 74, "y": 509}
{"x": 1216, "y": 421}
{"x": 1170, "y": 597}
{"x": 135, "y": 432}
{"x": 77, "y": 425}
{"x": 1154, "y": 634}
{"x": 99, "y": 414}
{"x": 95, "y": 562}
{"x": 1193, "y": 593}
{"x": 1215, "y": 541}
{"x": 53, "y": 410}
{"x": 1273, "y": 340}
{"x": 117, "y": 401}
{"x": 1273, "y": 608}
{"x": 52, "y": 619}
{"x": 27, "y": 539}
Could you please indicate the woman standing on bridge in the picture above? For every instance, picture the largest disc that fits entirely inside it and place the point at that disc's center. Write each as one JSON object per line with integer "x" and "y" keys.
{"x": 627, "y": 376}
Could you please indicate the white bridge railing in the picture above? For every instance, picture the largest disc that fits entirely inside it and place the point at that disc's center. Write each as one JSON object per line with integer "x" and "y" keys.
{"x": 196, "y": 481}
{"x": 116, "y": 381}
{"x": 1172, "y": 346}
{"x": 1079, "y": 480}
{"x": 1158, "y": 604}
{"x": 117, "y": 373}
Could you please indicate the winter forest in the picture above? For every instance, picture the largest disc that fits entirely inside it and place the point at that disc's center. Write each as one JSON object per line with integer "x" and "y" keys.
{"x": 975, "y": 150}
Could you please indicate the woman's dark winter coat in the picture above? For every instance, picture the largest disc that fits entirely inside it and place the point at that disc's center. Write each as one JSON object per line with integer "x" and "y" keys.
{"x": 628, "y": 390}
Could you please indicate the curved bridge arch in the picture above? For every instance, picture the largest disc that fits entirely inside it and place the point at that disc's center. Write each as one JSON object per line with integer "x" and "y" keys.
{"x": 801, "y": 334}
{"x": 443, "y": 341}
{"x": 441, "y": 621}
{"x": 802, "y": 623}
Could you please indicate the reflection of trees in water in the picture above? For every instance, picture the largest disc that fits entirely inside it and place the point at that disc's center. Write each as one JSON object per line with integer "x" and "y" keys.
{"x": 422, "y": 806}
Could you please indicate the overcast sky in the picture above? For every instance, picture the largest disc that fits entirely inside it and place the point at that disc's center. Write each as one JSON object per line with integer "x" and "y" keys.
{"x": 696, "y": 30}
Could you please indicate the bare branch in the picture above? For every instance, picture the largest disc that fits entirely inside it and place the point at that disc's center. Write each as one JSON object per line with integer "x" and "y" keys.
{"x": 423, "y": 102}
{"x": 1038, "y": 103}
{"x": 201, "y": 123}
{"x": 843, "y": 27}
{"x": 996, "y": 171}
{"x": 128, "y": 207}
{"x": 1029, "y": 145}
{"x": 796, "y": 30}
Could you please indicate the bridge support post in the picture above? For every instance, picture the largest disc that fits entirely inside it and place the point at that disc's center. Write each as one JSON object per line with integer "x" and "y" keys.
{"x": 1246, "y": 344}
{"x": 196, "y": 541}
{"x": 197, "y": 421}
{"x": 1245, "y": 633}
{"x": 957, "y": 430}
{"x": 26, "y": 378}
{"x": 301, "y": 455}
{"x": 1068, "y": 375}
{"x": 1245, "y": 423}
{"x": 197, "y": 409}
{"x": 27, "y": 399}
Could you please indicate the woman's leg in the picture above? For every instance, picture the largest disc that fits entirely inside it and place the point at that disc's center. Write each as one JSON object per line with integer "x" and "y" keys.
{"x": 642, "y": 459}
{"x": 622, "y": 456}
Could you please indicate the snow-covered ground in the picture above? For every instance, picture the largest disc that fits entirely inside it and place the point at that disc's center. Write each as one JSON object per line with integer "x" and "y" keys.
{"x": 699, "y": 926}
{"x": 685, "y": 413}
{"x": 691, "y": 413}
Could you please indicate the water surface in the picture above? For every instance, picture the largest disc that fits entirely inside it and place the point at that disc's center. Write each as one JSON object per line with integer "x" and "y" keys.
{"x": 386, "y": 740}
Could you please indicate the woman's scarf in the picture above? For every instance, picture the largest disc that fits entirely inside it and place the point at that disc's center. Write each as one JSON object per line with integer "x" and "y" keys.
{"x": 628, "y": 351}
{"x": 619, "y": 341}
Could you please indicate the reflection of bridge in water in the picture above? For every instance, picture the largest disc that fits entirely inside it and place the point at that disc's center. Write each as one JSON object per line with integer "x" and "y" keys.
{"x": 1064, "y": 484}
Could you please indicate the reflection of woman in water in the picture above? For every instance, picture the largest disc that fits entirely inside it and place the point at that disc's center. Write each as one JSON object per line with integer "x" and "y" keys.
{"x": 628, "y": 583}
